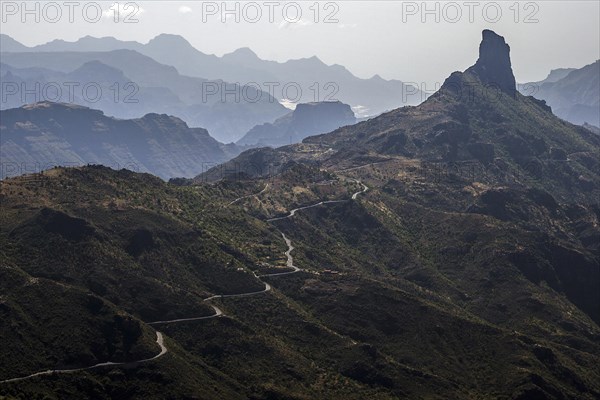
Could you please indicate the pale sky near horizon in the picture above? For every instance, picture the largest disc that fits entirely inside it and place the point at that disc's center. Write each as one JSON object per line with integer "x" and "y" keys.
{"x": 387, "y": 38}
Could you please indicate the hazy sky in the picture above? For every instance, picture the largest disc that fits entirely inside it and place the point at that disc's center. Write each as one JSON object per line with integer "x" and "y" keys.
{"x": 388, "y": 38}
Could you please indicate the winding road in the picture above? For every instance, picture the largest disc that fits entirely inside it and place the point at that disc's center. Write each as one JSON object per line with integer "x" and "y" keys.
{"x": 295, "y": 210}
{"x": 365, "y": 188}
{"x": 218, "y": 312}
{"x": 289, "y": 262}
{"x": 159, "y": 341}
{"x": 250, "y": 195}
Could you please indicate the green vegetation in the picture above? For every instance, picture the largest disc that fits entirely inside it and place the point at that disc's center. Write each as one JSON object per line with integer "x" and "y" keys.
{"x": 437, "y": 282}
{"x": 399, "y": 300}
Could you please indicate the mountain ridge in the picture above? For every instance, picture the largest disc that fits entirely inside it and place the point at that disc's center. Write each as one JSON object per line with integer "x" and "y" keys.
{"x": 74, "y": 134}
{"x": 376, "y": 96}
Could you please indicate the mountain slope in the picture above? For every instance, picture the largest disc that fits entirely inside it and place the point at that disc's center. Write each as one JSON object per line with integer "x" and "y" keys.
{"x": 409, "y": 310}
{"x": 41, "y": 135}
{"x": 574, "y": 94}
{"x": 157, "y": 250}
{"x": 112, "y": 334}
{"x": 504, "y": 144}
{"x": 9, "y": 44}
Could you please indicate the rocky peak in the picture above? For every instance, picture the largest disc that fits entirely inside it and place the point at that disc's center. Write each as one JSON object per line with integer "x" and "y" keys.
{"x": 244, "y": 52}
{"x": 162, "y": 120}
{"x": 324, "y": 109}
{"x": 101, "y": 72}
{"x": 493, "y": 66}
{"x": 167, "y": 40}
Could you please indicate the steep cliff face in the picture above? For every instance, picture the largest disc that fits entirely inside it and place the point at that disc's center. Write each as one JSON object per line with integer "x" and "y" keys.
{"x": 493, "y": 66}
{"x": 306, "y": 120}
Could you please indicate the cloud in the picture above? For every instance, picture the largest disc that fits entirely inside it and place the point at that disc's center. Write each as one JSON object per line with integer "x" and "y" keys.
{"x": 289, "y": 104}
{"x": 185, "y": 10}
{"x": 361, "y": 111}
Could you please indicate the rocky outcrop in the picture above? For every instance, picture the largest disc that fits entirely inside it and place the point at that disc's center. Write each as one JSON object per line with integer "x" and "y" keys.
{"x": 493, "y": 66}
{"x": 306, "y": 120}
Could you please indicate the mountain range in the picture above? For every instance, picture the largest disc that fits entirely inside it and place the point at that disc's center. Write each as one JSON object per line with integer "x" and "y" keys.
{"x": 575, "y": 99}
{"x": 127, "y": 84}
{"x": 445, "y": 250}
{"x": 45, "y": 134}
{"x": 368, "y": 97}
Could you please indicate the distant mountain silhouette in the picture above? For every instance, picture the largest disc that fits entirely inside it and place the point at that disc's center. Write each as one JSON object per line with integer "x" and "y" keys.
{"x": 41, "y": 135}
{"x": 86, "y": 43}
{"x": 9, "y": 44}
{"x": 369, "y": 97}
{"x": 558, "y": 74}
{"x": 306, "y": 120}
{"x": 128, "y": 101}
{"x": 573, "y": 94}
{"x": 161, "y": 89}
